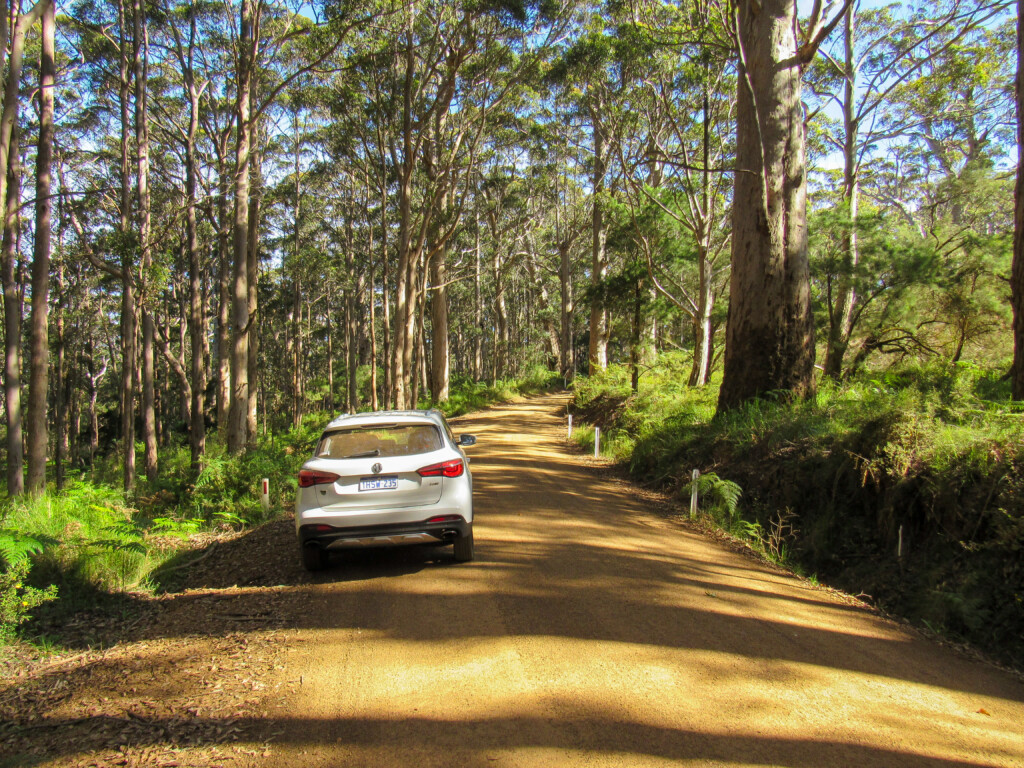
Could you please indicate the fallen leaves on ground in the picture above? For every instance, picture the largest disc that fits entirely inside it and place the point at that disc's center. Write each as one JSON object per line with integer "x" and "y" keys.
{"x": 178, "y": 681}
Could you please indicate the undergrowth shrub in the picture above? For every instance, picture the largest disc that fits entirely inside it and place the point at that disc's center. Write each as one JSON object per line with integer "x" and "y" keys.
{"x": 18, "y": 598}
{"x": 930, "y": 456}
{"x": 87, "y": 535}
{"x": 719, "y": 498}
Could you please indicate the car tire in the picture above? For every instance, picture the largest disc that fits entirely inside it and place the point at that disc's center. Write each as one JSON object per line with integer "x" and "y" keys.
{"x": 314, "y": 557}
{"x": 464, "y": 548}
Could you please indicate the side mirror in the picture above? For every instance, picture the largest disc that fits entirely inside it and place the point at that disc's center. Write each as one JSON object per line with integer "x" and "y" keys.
{"x": 467, "y": 440}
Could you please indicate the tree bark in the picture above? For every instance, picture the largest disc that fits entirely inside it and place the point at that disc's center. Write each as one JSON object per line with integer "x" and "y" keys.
{"x": 598, "y": 348}
{"x": 351, "y": 335}
{"x": 60, "y": 388}
{"x": 298, "y": 355}
{"x": 129, "y": 318}
{"x": 197, "y": 315}
{"x": 567, "y": 365}
{"x": 405, "y": 293}
{"x": 386, "y": 337}
{"x": 238, "y": 421}
{"x": 419, "y": 365}
{"x": 94, "y": 377}
{"x": 769, "y": 333}
{"x": 371, "y": 300}
{"x": 141, "y": 73}
{"x": 703, "y": 330}
{"x": 12, "y": 326}
{"x": 499, "y": 351}
{"x": 9, "y": 115}
{"x": 224, "y": 293}
{"x": 841, "y": 315}
{"x": 35, "y": 422}
{"x": 252, "y": 302}
{"x": 1017, "y": 272}
{"x": 440, "y": 358}
{"x": 552, "y": 330}
{"x": 295, "y": 314}
{"x": 478, "y": 311}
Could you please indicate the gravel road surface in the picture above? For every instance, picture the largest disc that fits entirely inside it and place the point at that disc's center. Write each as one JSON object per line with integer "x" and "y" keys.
{"x": 593, "y": 630}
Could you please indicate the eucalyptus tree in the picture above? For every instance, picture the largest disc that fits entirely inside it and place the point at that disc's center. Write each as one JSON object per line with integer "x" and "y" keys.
{"x": 954, "y": 156}
{"x": 567, "y": 201}
{"x": 103, "y": 211}
{"x": 184, "y": 35}
{"x": 13, "y": 322}
{"x": 507, "y": 215}
{"x": 1017, "y": 272}
{"x": 436, "y": 73}
{"x": 883, "y": 55}
{"x": 678, "y": 156}
{"x": 14, "y": 37}
{"x": 36, "y": 432}
{"x": 769, "y": 342}
{"x": 591, "y": 79}
{"x": 267, "y": 32}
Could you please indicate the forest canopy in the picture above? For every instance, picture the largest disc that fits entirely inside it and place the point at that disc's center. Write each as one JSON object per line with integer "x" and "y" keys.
{"x": 223, "y": 216}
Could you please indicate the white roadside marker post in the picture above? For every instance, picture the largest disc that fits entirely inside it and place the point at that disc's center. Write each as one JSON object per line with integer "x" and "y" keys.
{"x": 693, "y": 494}
{"x": 265, "y": 494}
{"x": 597, "y": 442}
{"x": 569, "y": 436}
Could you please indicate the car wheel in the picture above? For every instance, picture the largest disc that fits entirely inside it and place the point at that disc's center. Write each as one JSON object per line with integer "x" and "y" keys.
{"x": 464, "y": 548}
{"x": 314, "y": 557}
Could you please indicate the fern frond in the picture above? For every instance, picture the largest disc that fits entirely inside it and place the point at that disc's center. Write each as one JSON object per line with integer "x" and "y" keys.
{"x": 15, "y": 546}
{"x": 719, "y": 494}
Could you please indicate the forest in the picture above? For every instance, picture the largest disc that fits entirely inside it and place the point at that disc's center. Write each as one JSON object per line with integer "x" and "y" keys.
{"x": 226, "y": 221}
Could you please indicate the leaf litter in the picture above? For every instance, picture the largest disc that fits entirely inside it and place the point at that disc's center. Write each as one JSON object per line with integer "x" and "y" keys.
{"x": 186, "y": 680}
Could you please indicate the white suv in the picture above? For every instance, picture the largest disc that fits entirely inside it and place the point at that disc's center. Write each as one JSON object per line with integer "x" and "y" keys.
{"x": 385, "y": 479}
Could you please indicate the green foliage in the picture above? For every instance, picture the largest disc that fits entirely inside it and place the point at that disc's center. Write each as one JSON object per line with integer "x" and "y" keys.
{"x": 16, "y": 546}
{"x": 718, "y": 497}
{"x": 85, "y": 535}
{"x": 651, "y": 424}
{"x": 18, "y": 598}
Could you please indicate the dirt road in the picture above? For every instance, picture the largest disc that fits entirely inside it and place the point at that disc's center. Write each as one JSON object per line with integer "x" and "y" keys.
{"x": 590, "y": 631}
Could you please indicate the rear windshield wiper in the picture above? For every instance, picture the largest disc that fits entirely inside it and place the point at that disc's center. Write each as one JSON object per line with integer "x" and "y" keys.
{"x": 364, "y": 454}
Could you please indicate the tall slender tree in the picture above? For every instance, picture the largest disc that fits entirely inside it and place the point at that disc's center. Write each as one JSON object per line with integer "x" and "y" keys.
{"x": 39, "y": 346}
{"x": 1017, "y": 274}
{"x": 13, "y": 327}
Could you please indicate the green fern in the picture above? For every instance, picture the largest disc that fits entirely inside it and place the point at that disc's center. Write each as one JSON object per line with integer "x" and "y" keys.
{"x": 720, "y": 497}
{"x": 119, "y": 545}
{"x": 124, "y": 528}
{"x": 15, "y": 546}
{"x": 213, "y": 473}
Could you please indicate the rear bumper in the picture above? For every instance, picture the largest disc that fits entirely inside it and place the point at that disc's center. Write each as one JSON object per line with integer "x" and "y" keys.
{"x": 395, "y": 534}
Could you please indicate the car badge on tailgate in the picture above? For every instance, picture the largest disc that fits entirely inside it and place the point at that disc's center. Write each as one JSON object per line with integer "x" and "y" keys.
{"x": 376, "y": 468}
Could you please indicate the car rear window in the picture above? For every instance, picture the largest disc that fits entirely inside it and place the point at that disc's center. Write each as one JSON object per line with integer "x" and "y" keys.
{"x": 389, "y": 440}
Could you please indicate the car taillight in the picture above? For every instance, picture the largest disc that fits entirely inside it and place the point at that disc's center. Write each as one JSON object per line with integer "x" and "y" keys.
{"x": 310, "y": 477}
{"x": 447, "y": 519}
{"x": 453, "y": 468}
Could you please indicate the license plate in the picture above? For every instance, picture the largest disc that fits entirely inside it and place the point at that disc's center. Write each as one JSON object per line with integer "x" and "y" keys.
{"x": 378, "y": 483}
